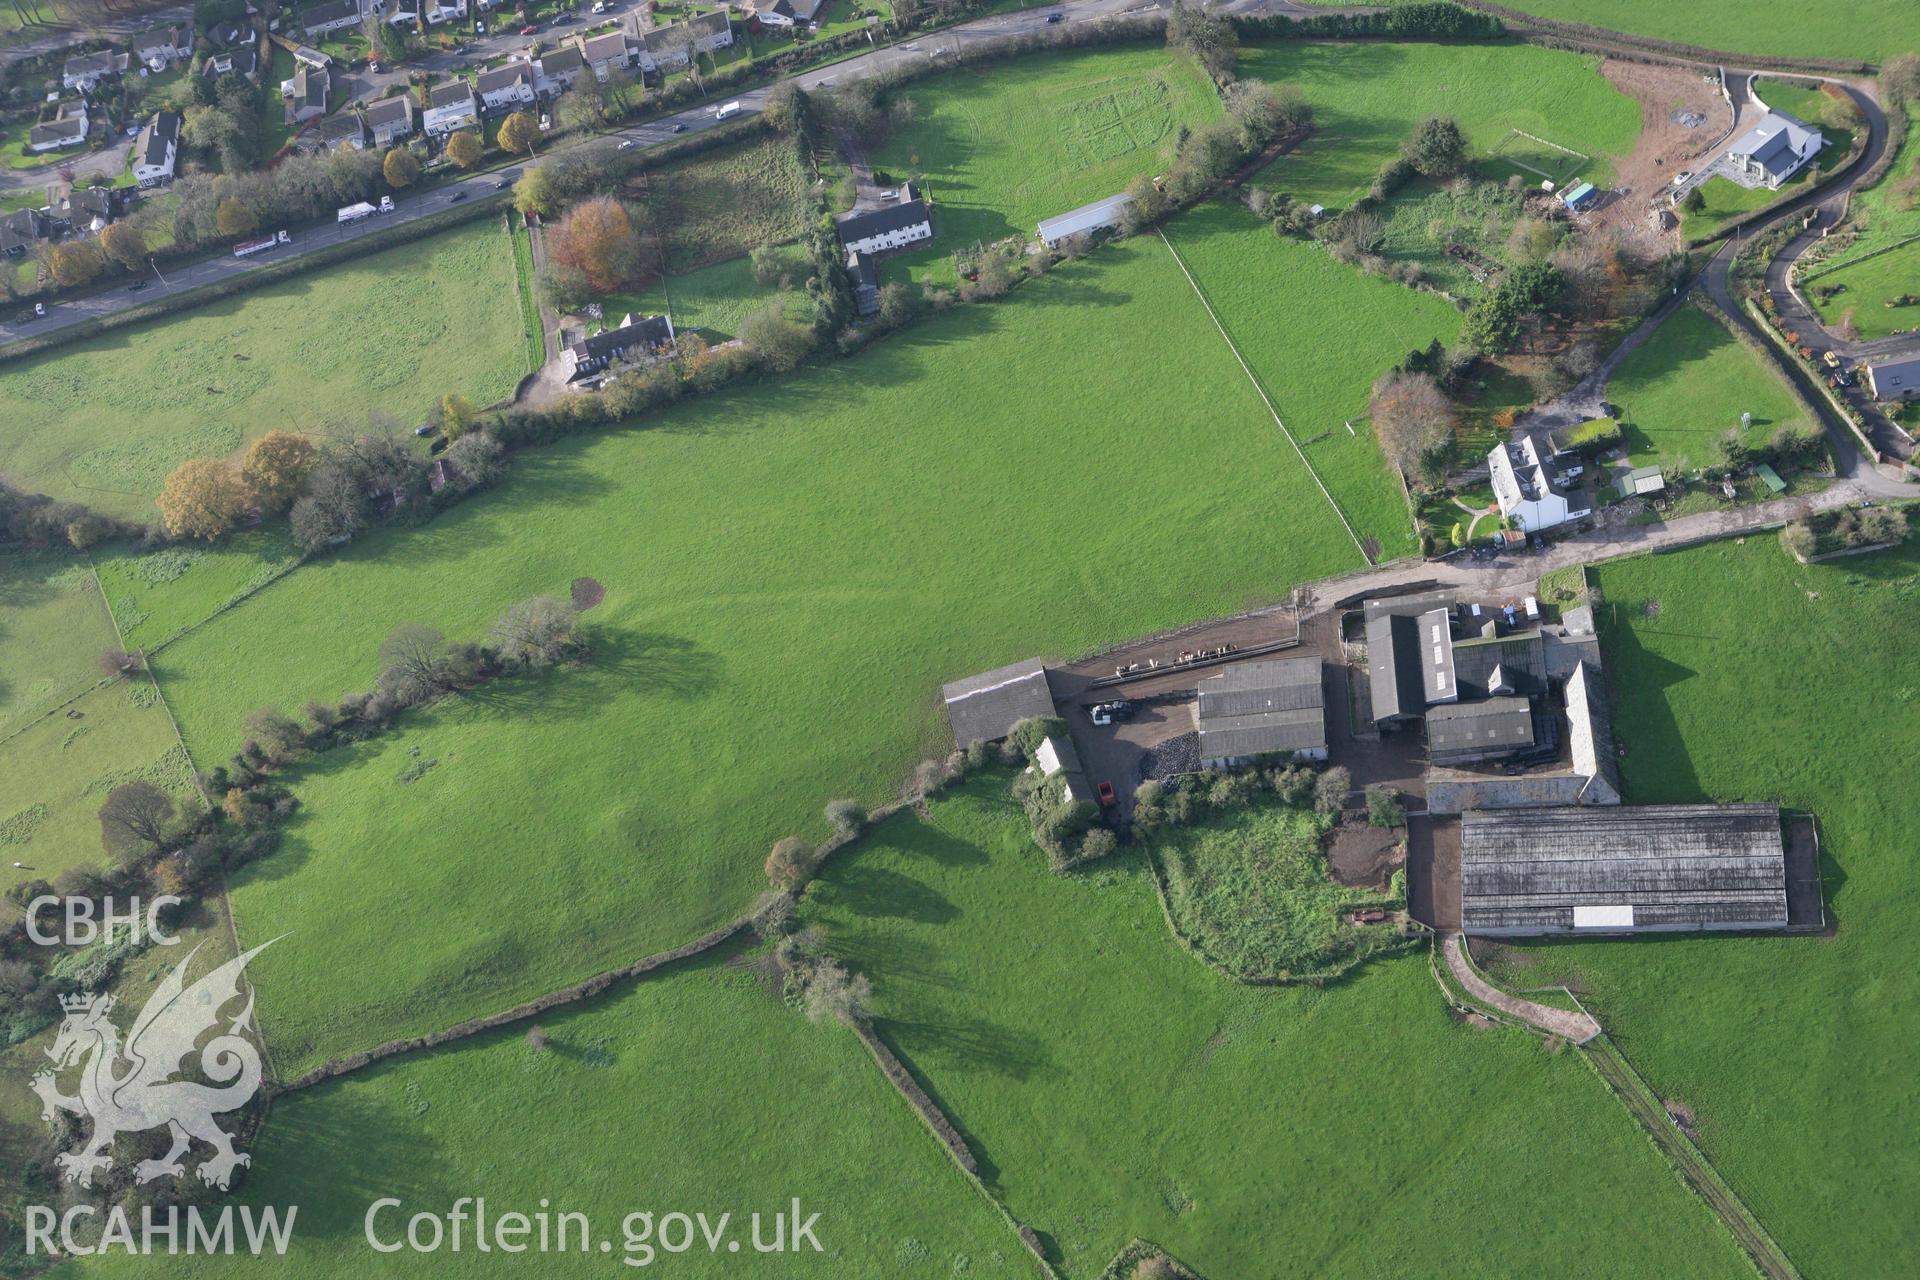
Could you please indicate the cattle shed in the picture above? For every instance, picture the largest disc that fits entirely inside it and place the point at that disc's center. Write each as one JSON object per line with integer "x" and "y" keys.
{"x": 1620, "y": 869}
{"x": 984, "y": 708}
{"x": 1464, "y": 731}
{"x": 1088, "y": 217}
{"x": 1262, "y": 708}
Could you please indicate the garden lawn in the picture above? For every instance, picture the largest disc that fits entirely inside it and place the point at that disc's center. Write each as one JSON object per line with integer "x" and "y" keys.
{"x": 1869, "y": 286}
{"x": 711, "y": 301}
{"x": 53, "y": 628}
{"x": 1367, "y": 97}
{"x": 1764, "y": 680}
{"x": 1683, "y": 389}
{"x": 1115, "y": 1087}
{"x": 791, "y": 570}
{"x": 103, "y": 421}
{"x": 56, "y": 773}
{"x": 1727, "y": 200}
{"x": 1003, "y": 145}
{"x": 695, "y": 1091}
{"x": 1316, "y": 332}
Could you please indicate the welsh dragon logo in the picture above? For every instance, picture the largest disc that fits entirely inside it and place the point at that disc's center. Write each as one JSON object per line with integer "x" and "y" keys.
{"x": 131, "y": 1088}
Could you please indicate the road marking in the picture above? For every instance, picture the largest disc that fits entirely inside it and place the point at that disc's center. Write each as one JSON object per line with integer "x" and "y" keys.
{"x": 1201, "y": 294}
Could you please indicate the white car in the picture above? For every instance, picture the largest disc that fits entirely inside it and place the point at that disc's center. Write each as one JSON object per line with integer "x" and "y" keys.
{"x": 599, "y": 6}
{"x": 889, "y": 194}
{"x": 628, "y": 144}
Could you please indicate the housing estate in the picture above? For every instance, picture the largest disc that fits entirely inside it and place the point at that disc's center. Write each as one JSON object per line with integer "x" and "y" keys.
{"x": 342, "y": 129}
{"x": 610, "y": 52}
{"x": 330, "y": 15}
{"x": 891, "y": 226}
{"x": 784, "y": 13}
{"x": 243, "y": 61}
{"x": 505, "y": 87}
{"x": 634, "y": 338}
{"x": 1530, "y": 494}
{"x": 22, "y": 229}
{"x": 1894, "y": 379}
{"x": 392, "y": 119}
{"x": 306, "y": 93}
{"x": 1775, "y": 149}
{"x": 160, "y": 47}
{"x": 673, "y": 47}
{"x": 1261, "y": 708}
{"x": 559, "y": 71}
{"x": 156, "y": 149}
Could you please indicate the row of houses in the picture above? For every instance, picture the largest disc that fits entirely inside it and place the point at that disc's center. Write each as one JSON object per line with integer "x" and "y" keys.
{"x": 82, "y": 211}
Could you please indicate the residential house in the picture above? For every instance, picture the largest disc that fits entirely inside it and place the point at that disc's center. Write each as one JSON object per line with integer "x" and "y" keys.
{"x": 307, "y": 55}
{"x": 342, "y": 129}
{"x": 95, "y": 207}
{"x": 392, "y": 119}
{"x": 506, "y": 88}
{"x": 1894, "y": 379}
{"x": 605, "y": 54}
{"x": 673, "y": 47}
{"x": 892, "y": 226}
{"x": 67, "y": 128}
{"x": 306, "y": 93}
{"x": 1775, "y": 149}
{"x": 225, "y": 35}
{"x": 439, "y": 11}
{"x": 330, "y": 15}
{"x": 83, "y": 72}
{"x": 556, "y": 72}
{"x": 22, "y": 229}
{"x": 633, "y": 339}
{"x": 244, "y": 61}
{"x": 156, "y": 149}
{"x": 1526, "y": 492}
{"x": 161, "y": 47}
{"x": 784, "y": 14}
{"x": 450, "y": 106}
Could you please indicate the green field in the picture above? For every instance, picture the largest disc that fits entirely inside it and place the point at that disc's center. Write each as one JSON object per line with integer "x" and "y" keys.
{"x": 1117, "y": 1087}
{"x": 697, "y": 1091}
{"x": 1868, "y": 287}
{"x": 103, "y": 421}
{"x": 1367, "y": 97}
{"x": 724, "y": 203}
{"x": 712, "y": 301}
{"x": 157, "y": 594}
{"x": 1683, "y": 389}
{"x": 52, "y": 631}
{"x": 1761, "y": 679}
{"x": 1317, "y": 333}
{"x": 1866, "y": 29}
{"x": 954, "y": 518}
{"x": 1001, "y": 146}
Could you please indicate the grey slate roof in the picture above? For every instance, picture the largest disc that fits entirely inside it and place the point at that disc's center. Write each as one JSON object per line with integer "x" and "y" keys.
{"x": 495, "y": 79}
{"x": 162, "y": 132}
{"x": 1393, "y": 652}
{"x": 1253, "y": 708}
{"x": 985, "y": 707}
{"x": 1622, "y": 868}
{"x": 1895, "y": 375}
{"x": 888, "y": 217}
{"x": 1486, "y": 727}
{"x": 1521, "y": 659}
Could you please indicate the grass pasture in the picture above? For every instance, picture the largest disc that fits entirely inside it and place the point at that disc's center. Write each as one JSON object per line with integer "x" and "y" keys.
{"x": 1367, "y": 97}
{"x": 1684, "y": 388}
{"x": 723, "y": 203}
{"x": 661, "y": 1098}
{"x": 1539, "y": 157}
{"x": 1316, "y": 332}
{"x": 155, "y": 595}
{"x": 103, "y": 421}
{"x": 1868, "y": 287}
{"x": 1116, "y": 1087}
{"x": 1780, "y": 28}
{"x": 1715, "y": 702}
{"x": 1002, "y": 146}
{"x": 52, "y": 631}
{"x": 954, "y": 520}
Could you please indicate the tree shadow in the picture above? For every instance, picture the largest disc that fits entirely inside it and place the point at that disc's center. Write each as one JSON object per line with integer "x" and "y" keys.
{"x": 879, "y": 892}
{"x": 972, "y": 1042}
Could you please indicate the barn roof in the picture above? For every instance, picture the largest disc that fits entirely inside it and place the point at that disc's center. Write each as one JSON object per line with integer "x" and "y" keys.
{"x": 1619, "y": 868}
{"x": 1486, "y": 727}
{"x": 985, "y": 707}
{"x": 1394, "y": 663}
{"x": 1253, "y": 708}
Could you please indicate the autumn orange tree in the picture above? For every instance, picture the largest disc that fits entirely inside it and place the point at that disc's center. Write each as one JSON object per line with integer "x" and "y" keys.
{"x": 275, "y": 466}
{"x": 464, "y": 148}
{"x": 124, "y": 243}
{"x": 400, "y": 168}
{"x": 518, "y": 133}
{"x": 77, "y": 262}
{"x": 203, "y": 498}
{"x": 598, "y": 239}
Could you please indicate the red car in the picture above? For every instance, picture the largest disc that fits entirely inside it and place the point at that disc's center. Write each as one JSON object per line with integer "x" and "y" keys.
{"x": 531, "y": 29}
{"x": 1105, "y": 790}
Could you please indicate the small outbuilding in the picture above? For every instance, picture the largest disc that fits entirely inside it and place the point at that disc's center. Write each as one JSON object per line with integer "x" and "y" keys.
{"x": 1254, "y": 709}
{"x": 1622, "y": 869}
{"x": 984, "y": 708}
{"x": 1088, "y": 217}
{"x": 1640, "y": 481}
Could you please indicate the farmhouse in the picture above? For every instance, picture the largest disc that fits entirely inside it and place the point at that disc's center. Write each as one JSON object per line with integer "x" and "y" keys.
{"x": 1526, "y": 494}
{"x": 391, "y": 119}
{"x": 68, "y": 128}
{"x": 1255, "y": 709}
{"x": 87, "y": 70}
{"x": 1894, "y": 379}
{"x": 156, "y": 149}
{"x": 1775, "y": 149}
{"x": 1088, "y": 217}
{"x": 507, "y": 87}
{"x": 450, "y": 106}
{"x": 984, "y": 708}
{"x": 634, "y": 337}
{"x": 892, "y": 226}
{"x": 1623, "y": 869}
{"x": 331, "y": 15}
{"x": 673, "y": 47}
{"x": 160, "y": 47}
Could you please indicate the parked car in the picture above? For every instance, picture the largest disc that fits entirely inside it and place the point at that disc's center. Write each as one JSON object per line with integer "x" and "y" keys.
{"x": 599, "y": 6}
{"x": 424, "y": 429}
{"x": 479, "y": 29}
{"x": 1053, "y": 18}
{"x": 136, "y": 286}
{"x": 628, "y": 144}
{"x": 1831, "y": 360}
{"x": 889, "y": 194}
{"x": 679, "y": 128}
{"x": 456, "y": 197}
{"x": 1106, "y": 794}
{"x": 531, "y": 29}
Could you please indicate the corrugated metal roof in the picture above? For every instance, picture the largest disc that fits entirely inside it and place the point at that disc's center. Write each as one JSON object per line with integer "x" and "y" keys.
{"x": 1479, "y": 728}
{"x": 1253, "y": 708}
{"x": 985, "y": 707}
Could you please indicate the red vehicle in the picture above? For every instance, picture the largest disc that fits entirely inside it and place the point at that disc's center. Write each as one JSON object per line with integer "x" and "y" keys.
{"x": 1105, "y": 790}
{"x": 532, "y": 28}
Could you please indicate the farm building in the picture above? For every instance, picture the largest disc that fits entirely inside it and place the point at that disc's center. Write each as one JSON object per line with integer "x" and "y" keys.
{"x": 1088, "y": 217}
{"x": 1402, "y": 660}
{"x": 865, "y": 278}
{"x": 1262, "y": 708}
{"x": 1894, "y": 379}
{"x": 984, "y": 708}
{"x": 891, "y": 226}
{"x": 1057, "y": 758}
{"x": 1640, "y": 480}
{"x": 1524, "y": 489}
{"x": 1463, "y": 732}
{"x": 1775, "y": 149}
{"x": 1622, "y": 869}
{"x": 633, "y": 338}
